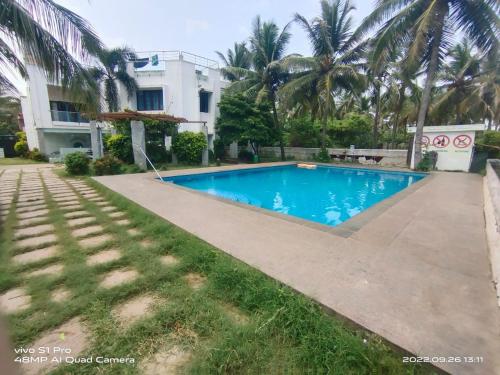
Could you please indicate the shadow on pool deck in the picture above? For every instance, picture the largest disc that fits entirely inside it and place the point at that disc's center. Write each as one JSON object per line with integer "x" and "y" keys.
{"x": 417, "y": 273}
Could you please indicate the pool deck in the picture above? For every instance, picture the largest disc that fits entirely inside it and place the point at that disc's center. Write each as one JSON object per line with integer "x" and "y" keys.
{"x": 414, "y": 270}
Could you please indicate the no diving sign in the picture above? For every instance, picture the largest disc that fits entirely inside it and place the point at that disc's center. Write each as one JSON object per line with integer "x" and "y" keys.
{"x": 462, "y": 141}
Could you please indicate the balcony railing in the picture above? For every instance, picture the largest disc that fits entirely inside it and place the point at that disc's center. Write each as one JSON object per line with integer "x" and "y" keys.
{"x": 66, "y": 116}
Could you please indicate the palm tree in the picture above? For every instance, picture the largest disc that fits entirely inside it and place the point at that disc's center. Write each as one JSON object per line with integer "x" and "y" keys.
{"x": 268, "y": 45}
{"x": 240, "y": 57}
{"x": 456, "y": 82}
{"x": 335, "y": 66}
{"x": 50, "y": 36}
{"x": 425, "y": 26}
{"x": 113, "y": 69}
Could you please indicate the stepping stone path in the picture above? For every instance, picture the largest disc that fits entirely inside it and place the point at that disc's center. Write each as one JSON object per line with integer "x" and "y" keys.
{"x": 169, "y": 260}
{"x": 95, "y": 241}
{"x": 146, "y": 243}
{"x": 119, "y": 277}
{"x": 87, "y": 231}
{"x": 195, "y": 280}
{"x": 123, "y": 222}
{"x": 235, "y": 314}
{"x": 60, "y": 295}
{"x": 72, "y": 335}
{"x": 30, "y": 214}
{"x": 36, "y": 255}
{"x": 35, "y": 207}
{"x": 53, "y": 270}
{"x": 116, "y": 214}
{"x": 80, "y": 221}
{"x": 132, "y": 310}
{"x": 14, "y": 300}
{"x": 34, "y": 230}
{"x": 133, "y": 232}
{"x": 73, "y": 214}
{"x": 105, "y": 256}
{"x": 36, "y": 242}
{"x": 32, "y": 221}
{"x": 108, "y": 208}
{"x": 167, "y": 361}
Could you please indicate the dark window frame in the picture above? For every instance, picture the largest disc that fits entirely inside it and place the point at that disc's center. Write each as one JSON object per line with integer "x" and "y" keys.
{"x": 152, "y": 101}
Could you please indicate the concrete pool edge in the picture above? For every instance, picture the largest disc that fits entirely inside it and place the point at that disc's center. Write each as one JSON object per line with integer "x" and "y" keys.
{"x": 345, "y": 229}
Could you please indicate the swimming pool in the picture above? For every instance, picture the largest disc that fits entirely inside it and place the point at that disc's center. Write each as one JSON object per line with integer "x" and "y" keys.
{"x": 326, "y": 195}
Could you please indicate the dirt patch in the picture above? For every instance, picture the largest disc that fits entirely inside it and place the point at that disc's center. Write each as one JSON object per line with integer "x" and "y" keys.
{"x": 72, "y": 335}
{"x": 134, "y": 309}
{"x": 96, "y": 241}
{"x": 14, "y": 300}
{"x": 146, "y": 243}
{"x": 119, "y": 277}
{"x": 195, "y": 280}
{"x": 168, "y": 361}
{"x": 103, "y": 257}
{"x": 169, "y": 260}
{"x": 87, "y": 231}
{"x": 35, "y": 256}
{"x": 60, "y": 295}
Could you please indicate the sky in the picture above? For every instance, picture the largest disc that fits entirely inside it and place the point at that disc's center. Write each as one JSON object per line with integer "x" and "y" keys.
{"x": 197, "y": 26}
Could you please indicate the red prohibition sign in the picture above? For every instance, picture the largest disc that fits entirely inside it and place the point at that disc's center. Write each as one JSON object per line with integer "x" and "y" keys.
{"x": 462, "y": 141}
{"x": 425, "y": 140}
{"x": 441, "y": 141}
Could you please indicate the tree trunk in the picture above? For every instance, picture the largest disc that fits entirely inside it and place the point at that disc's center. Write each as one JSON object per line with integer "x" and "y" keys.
{"x": 377, "y": 116}
{"x": 429, "y": 83}
{"x": 399, "y": 108}
{"x": 278, "y": 128}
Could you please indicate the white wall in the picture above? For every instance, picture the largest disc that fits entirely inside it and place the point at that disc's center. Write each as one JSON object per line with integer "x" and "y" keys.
{"x": 453, "y": 143}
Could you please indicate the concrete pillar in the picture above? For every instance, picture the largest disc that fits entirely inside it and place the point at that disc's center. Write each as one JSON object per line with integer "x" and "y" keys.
{"x": 204, "y": 155}
{"x": 138, "y": 143}
{"x": 233, "y": 150}
{"x": 95, "y": 140}
{"x": 174, "y": 159}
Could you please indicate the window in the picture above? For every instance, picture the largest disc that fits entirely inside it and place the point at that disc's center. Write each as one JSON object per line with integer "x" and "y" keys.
{"x": 65, "y": 112}
{"x": 149, "y": 100}
{"x": 204, "y": 101}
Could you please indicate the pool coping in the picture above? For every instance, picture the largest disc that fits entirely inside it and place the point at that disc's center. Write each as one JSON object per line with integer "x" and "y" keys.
{"x": 345, "y": 229}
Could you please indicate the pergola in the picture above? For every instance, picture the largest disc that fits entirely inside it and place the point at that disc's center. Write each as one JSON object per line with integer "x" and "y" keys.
{"x": 137, "y": 131}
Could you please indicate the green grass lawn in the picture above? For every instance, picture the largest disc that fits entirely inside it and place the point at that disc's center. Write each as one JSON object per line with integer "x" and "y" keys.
{"x": 283, "y": 331}
{"x": 17, "y": 161}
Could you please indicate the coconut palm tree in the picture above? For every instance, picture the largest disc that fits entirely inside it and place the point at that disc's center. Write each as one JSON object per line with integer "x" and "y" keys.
{"x": 268, "y": 44}
{"x": 113, "y": 70}
{"x": 426, "y": 26}
{"x": 239, "y": 57}
{"x": 46, "y": 34}
{"x": 456, "y": 82}
{"x": 335, "y": 67}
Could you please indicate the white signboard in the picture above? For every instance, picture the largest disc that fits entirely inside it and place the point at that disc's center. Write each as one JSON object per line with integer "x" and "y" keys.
{"x": 453, "y": 143}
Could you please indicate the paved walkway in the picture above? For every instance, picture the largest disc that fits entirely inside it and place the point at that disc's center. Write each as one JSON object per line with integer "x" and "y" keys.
{"x": 417, "y": 274}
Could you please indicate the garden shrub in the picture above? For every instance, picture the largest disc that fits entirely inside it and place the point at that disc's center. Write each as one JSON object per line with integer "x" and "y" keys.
{"x": 219, "y": 149}
{"x": 120, "y": 146}
{"x": 188, "y": 146}
{"x": 322, "y": 156}
{"x": 21, "y": 146}
{"x": 157, "y": 152}
{"x": 245, "y": 156}
{"x": 428, "y": 162}
{"x": 77, "y": 163}
{"x": 36, "y": 155}
{"x": 107, "y": 165}
{"x": 489, "y": 142}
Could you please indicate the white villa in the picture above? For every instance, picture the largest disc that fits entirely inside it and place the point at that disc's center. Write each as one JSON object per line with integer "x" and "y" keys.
{"x": 172, "y": 82}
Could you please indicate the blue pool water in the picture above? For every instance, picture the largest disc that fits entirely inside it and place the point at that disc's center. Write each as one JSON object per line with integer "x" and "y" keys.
{"x": 326, "y": 195}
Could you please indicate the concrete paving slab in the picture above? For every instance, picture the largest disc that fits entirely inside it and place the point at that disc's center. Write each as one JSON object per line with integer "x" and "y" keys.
{"x": 34, "y": 230}
{"x": 102, "y": 257}
{"x": 95, "y": 241}
{"x": 14, "y": 300}
{"x": 87, "y": 231}
{"x": 118, "y": 277}
{"x": 36, "y": 255}
{"x": 36, "y": 242}
{"x": 30, "y": 214}
{"x": 383, "y": 276}
{"x": 52, "y": 270}
{"x": 80, "y": 221}
{"x": 134, "y": 309}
